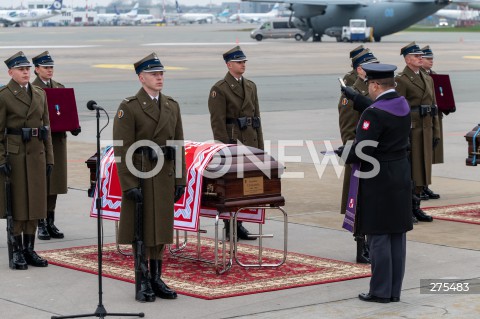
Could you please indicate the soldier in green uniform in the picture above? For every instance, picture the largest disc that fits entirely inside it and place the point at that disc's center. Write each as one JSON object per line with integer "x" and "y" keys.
{"x": 348, "y": 119}
{"x": 150, "y": 115}
{"x": 427, "y": 63}
{"x": 417, "y": 88}
{"x": 351, "y": 76}
{"x": 57, "y": 183}
{"x": 234, "y": 111}
{"x": 26, "y": 156}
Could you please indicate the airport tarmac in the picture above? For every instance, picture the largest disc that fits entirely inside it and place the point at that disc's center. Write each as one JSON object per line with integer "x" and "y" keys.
{"x": 298, "y": 94}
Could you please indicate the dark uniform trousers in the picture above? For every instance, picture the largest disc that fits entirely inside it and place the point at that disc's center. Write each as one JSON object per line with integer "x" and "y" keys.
{"x": 387, "y": 255}
{"x": 28, "y": 227}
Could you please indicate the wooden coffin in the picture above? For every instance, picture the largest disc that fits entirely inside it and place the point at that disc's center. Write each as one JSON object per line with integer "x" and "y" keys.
{"x": 473, "y": 139}
{"x": 241, "y": 176}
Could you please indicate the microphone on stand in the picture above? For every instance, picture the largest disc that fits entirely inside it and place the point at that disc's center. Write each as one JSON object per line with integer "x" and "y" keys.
{"x": 92, "y": 105}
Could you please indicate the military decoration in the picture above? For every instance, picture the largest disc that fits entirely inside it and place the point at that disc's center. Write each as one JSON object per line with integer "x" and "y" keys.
{"x": 344, "y": 101}
{"x": 213, "y": 94}
{"x": 120, "y": 114}
{"x": 57, "y": 109}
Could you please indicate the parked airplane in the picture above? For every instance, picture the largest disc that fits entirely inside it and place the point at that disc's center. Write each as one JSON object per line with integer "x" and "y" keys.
{"x": 194, "y": 17}
{"x": 119, "y": 18}
{"x": 318, "y": 17}
{"x": 15, "y": 17}
{"x": 458, "y": 14}
{"x": 255, "y": 17}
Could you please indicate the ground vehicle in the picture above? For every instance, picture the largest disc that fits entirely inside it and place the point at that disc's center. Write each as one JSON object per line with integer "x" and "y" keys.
{"x": 276, "y": 29}
{"x": 357, "y": 31}
{"x": 442, "y": 22}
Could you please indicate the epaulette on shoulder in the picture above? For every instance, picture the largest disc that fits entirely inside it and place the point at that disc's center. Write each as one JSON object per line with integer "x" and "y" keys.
{"x": 399, "y": 74}
{"x": 59, "y": 83}
{"x": 38, "y": 89}
{"x": 171, "y": 98}
{"x": 220, "y": 82}
{"x": 129, "y": 99}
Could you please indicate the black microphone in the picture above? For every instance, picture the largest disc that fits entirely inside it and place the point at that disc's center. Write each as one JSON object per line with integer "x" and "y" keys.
{"x": 92, "y": 105}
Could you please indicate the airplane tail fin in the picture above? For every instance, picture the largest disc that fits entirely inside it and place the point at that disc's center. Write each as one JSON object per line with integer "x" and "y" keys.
{"x": 116, "y": 10}
{"x": 225, "y": 12}
{"x": 275, "y": 8}
{"x": 177, "y": 6}
{"x": 134, "y": 10}
{"x": 56, "y": 5}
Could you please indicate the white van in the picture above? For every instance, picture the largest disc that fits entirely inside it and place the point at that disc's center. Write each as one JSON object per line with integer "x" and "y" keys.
{"x": 276, "y": 29}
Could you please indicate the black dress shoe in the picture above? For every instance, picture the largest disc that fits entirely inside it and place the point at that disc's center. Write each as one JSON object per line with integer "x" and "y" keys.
{"x": 243, "y": 233}
{"x": 421, "y": 216}
{"x": 427, "y": 191}
{"x": 371, "y": 298}
{"x": 394, "y": 299}
{"x": 423, "y": 196}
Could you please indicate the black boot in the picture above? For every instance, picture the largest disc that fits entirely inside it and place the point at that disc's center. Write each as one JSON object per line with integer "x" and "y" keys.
{"x": 418, "y": 212}
{"x": 31, "y": 256}
{"x": 159, "y": 287}
{"x": 42, "y": 233}
{"x": 363, "y": 253}
{"x": 18, "y": 260}
{"x": 145, "y": 294}
{"x": 243, "y": 233}
{"x": 52, "y": 229}
{"x": 429, "y": 193}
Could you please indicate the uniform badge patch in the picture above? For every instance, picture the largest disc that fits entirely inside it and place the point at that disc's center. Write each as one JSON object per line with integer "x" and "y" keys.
{"x": 213, "y": 94}
{"x": 366, "y": 125}
{"x": 344, "y": 101}
{"x": 120, "y": 114}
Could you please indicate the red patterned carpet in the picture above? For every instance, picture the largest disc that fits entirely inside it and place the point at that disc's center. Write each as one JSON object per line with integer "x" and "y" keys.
{"x": 199, "y": 279}
{"x": 463, "y": 213}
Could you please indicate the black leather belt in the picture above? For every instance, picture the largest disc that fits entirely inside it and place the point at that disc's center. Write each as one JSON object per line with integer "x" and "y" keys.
{"x": 167, "y": 151}
{"x": 248, "y": 120}
{"x": 19, "y": 131}
{"x": 425, "y": 109}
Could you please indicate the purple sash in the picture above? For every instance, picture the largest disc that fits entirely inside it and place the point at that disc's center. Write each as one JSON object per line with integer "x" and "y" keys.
{"x": 349, "y": 220}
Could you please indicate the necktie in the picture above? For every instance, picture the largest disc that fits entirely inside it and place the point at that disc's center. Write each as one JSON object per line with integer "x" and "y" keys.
{"x": 155, "y": 101}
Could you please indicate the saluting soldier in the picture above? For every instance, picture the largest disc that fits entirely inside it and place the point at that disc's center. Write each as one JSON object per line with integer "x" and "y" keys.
{"x": 417, "y": 88}
{"x": 427, "y": 64}
{"x": 57, "y": 182}
{"x": 348, "y": 119}
{"x": 235, "y": 112}
{"x": 383, "y": 200}
{"x": 26, "y": 156}
{"x": 152, "y": 116}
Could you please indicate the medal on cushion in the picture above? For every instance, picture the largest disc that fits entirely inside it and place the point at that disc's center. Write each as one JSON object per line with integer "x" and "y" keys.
{"x": 57, "y": 108}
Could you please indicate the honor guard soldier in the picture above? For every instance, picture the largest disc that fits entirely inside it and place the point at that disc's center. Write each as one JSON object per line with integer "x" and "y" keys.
{"x": 26, "y": 160}
{"x": 235, "y": 113}
{"x": 348, "y": 119}
{"x": 152, "y": 116}
{"x": 57, "y": 182}
{"x": 427, "y": 64}
{"x": 351, "y": 76}
{"x": 383, "y": 201}
{"x": 417, "y": 88}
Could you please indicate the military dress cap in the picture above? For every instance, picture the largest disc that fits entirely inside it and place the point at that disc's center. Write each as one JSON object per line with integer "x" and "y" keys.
{"x": 18, "y": 60}
{"x": 427, "y": 52}
{"x": 150, "y": 63}
{"x": 364, "y": 57}
{"x": 410, "y": 48}
{"x": 356, "y": 51}
{"x": 379, "y": 71}
{"x": 43, "y": 59}
{"x": 235, "y": 55}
